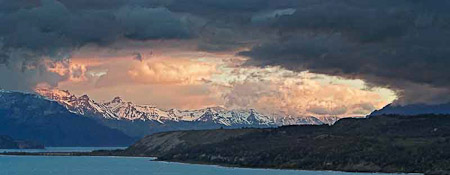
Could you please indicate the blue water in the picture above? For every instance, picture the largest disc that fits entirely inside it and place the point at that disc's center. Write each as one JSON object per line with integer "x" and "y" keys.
{"x": 65, "y": 165}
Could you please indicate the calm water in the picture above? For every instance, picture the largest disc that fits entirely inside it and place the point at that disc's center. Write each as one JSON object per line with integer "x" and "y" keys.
{"x": 42, "y": 165}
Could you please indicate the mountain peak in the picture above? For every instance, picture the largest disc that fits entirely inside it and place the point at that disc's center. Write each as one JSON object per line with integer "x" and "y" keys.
{"x": 55, "y": 94}
{"x": 117, "y": 100}
{"x": 215, "y": 108}
{"x": 84, "y": 97}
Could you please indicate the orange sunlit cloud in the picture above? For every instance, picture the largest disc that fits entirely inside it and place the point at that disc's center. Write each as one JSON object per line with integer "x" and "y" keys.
{"x": 275, "y": 90}
{"x": 189, "y": 79}
{"x": 73, "y": 71}
{"x": 171, "y": 71}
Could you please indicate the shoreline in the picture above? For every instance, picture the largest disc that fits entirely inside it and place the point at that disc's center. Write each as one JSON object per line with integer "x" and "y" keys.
{"x": 224, "y": 165}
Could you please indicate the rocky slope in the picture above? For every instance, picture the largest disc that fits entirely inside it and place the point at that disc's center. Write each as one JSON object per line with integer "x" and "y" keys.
{"x": 389, "y": 143}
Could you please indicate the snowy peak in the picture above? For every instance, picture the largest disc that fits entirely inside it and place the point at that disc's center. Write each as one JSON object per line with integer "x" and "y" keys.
{"x": 236, "y": 117}
{"x": 81, "y": 105}
{"x": 117, "y": 100}
{"x": 129, "y": 111}
{"x": 256, "y": 117}
{"x": 291, "y": 120}
{"x": 57, "y": 95}
{"x": 118, "y": 109}
{"x": 84, "y": 97}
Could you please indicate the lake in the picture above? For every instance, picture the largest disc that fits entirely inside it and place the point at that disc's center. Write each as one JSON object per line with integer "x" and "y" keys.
{"x": 84, "y": 165}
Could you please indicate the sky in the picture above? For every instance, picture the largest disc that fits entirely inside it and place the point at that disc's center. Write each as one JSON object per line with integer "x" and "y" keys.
{"x": 294, "y": 57}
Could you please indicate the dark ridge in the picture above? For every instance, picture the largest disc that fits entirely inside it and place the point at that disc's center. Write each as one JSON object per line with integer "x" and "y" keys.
{"x": 388, "y": 143}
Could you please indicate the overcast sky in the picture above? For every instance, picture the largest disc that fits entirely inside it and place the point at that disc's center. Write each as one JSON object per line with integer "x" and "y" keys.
{"x": 296, "y": 57}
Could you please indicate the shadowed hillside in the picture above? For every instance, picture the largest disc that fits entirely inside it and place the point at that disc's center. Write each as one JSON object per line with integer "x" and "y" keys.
{"x": 377, "y": 144}
{"x": 31, "y": 117}
{"x": 7, "y": 142}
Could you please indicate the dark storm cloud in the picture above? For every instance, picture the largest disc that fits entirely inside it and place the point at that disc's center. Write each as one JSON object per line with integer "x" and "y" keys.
{"x": 401, "y": 44}
{"x": 398, "y": 44}
{"x": 225, "y": 25}
{"x": 31, "y": 30}
{"x": 51, "y": 26}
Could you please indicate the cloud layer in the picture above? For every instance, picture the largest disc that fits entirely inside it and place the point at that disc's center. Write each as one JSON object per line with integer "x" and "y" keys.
{"x": 400, "y": 45}
{"x": 199, "y": 79}
{"x": 48, "y": 29}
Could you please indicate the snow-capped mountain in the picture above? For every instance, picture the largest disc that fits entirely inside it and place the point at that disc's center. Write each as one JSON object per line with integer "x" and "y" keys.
{"x": 290, "y": 120}
{"x": 234, "y": 117}
{"x": 119, "y": 109}
{"x": 81, "y": 105}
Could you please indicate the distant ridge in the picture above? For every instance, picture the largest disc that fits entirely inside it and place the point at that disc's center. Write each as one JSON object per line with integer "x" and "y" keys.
{"x": 413, "y": 109}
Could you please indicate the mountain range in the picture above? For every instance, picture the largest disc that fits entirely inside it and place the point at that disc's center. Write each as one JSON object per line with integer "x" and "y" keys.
{"x": 119, "y": 109}
{"x": 139, "y": 120}
{"x": 58, "y": 118}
